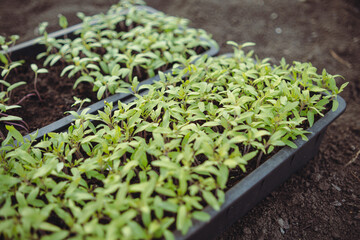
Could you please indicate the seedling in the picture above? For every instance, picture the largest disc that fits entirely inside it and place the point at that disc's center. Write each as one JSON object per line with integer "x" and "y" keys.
{"x": 6, "y": 104}
{"x": 80, "y": 102}
{"x": 113, "y": 48}
{"x": 37, "y": 71}
{"x": 152, "y": 165}
{"x": 63, "y": 21}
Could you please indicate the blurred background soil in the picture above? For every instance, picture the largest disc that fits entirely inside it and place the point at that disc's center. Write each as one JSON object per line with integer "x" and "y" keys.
{"x": 321, "y": 201}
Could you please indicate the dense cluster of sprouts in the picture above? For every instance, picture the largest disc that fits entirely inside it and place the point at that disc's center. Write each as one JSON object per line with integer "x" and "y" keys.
{"x": 150, "y": 166}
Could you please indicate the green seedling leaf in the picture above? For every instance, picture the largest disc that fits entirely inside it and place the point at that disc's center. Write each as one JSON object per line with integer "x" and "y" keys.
{"x": 67, "y": 69}
{"x": 223, "y": 175}
{"x": 85, "y": 78}
{"x": 6, "y": 84}
{"x": 15, "y": 85}
{"x": 211, "y": 200}
{"x": 10, "y": 118}
{"x": 162, "y": 76}
{"x": 101, "y": 92}
{"x": 232, "y": 43}
{"x": 54, "y": 60}
{"x": 20, "y": 198}
{"x": 9, "y": 181}
{"x": 59, "y": 235}
{"x": 63, "y": 21}
{"x": 181, "y": 218}
{"x": 183, "y": 186}
{"x": 247, "y": 44}
{"x": 310, "y": 116}
{"x": 335, "y": 105}
{"x": 6, "y": 210}
{"x": 49, "y": 227}
{"x": 45, "y": 169}
{"x": 201, "y": 216}
{"x": 170, "y": 206}
{"x": 104, "y": 67}
{"x": 34, "y": 67}
{"x": 343, "y": 86}
{"x": 169, "y": 235}
{"x": 3, "y": 59}
{"x": 165, "y": 164}
{"x": 275, "y": 138}
{"x": 290, "y": 143}
{"x": 13, "y": 132}
{"x": 201, "y": 106}
{"x": 165, "y": 191}
{"x": 42, "y": 70}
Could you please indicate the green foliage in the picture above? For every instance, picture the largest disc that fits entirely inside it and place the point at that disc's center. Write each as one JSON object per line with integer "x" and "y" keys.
{"x": 127, "y": 42}
{"x": 151, "y": 166}
{"x": 37, "y": 70}
{"x": 6, "y": 87}
{"x": 63, "y": 23}
{"x": 80, "y": 102}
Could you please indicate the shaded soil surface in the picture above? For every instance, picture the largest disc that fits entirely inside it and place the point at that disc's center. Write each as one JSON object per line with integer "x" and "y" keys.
{"x": 56, "y": 95}
{"x": 321, "y": 201}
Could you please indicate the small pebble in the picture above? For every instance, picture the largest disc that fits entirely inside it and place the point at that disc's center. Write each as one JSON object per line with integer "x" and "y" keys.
{"x": 324, "y": 186}
{"x": 278, "y": 30}
{"x": 247, "y": 231}
{"x": 336, "y": 203}
{"x": 283, "y": 223}
{"x": 314, "y": 35}
{"x": 335, "y": 235}
{"x": 336, "y": 187}
{"x": 274, "y": 16}
{"x": 317, "y": 177}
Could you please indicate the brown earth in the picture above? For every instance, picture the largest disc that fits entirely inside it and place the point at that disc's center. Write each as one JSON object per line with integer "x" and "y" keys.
{"x": 322, "y": 201}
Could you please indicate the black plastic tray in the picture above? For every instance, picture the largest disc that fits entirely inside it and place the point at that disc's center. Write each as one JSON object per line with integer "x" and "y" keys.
{"x": 243, "y": 196}
{"x": 32, "y": 48}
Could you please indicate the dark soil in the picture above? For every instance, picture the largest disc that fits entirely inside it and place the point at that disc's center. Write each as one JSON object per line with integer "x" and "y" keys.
{"x": 56, "y": 95}
{"x": 322, "y": 201}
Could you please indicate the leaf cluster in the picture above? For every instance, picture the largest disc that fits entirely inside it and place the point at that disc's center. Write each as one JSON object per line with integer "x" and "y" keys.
{"x": 146, "y": 168}
{"x": 6, "y": 87}
{"x": 8, "y": 84}
{"x": 127, "y": 42}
